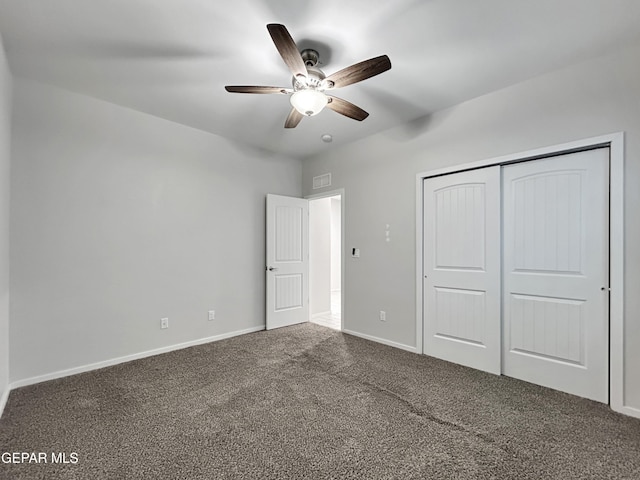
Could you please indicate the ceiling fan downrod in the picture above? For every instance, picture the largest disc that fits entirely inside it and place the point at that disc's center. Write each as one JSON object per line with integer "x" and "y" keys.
{"x": 310, "y": 57}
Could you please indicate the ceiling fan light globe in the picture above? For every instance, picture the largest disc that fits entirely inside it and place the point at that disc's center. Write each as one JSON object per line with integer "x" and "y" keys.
{"x": 309, "y": 102}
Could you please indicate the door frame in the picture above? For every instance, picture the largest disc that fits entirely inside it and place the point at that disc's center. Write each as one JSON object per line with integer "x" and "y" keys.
{"x": 333, "y": 193}
{"x": 615, "y": 143}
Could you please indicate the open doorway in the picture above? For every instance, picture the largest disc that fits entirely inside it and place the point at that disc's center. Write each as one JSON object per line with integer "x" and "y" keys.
{"x": 325, "y": 261}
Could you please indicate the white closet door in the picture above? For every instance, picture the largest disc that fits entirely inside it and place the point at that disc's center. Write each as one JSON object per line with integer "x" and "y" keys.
{"x": 556, "y": 273}
{"x": 462, "y": 268}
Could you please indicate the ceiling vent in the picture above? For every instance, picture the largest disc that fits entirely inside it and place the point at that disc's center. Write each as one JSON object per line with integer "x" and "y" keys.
{"x": 322, "y": 181}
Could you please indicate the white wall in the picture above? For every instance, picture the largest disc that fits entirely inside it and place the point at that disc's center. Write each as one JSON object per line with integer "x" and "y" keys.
{"x": 379, "y": 173}
{"x": 118, "y": 219}
{"x": 5, "y": 129}
{"x": 320, "y": 255}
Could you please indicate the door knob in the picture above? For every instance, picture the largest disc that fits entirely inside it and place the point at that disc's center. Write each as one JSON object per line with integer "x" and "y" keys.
{"x": 272, "y": 269}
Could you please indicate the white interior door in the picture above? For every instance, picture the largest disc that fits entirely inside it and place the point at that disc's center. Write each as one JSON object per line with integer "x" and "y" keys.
{"x": 462, "y": 268}
{"x": 556, "y": 324}
{"x": 287, "y": 261}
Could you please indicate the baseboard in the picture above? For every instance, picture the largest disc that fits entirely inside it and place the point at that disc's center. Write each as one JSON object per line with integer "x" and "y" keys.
{"x": 401, "y": 346}
{"x": 630, "y": 411}
{"x": 4, "y": 398}
{"x": 128, "y": 358}
{"x": 321, "y": 314}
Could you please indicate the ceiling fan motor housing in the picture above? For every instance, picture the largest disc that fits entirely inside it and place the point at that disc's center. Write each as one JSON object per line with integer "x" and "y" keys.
{"x": 315, "y": 78}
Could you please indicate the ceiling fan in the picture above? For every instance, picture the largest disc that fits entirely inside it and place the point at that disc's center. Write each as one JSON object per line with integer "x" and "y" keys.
{"x": 308, "y": 95}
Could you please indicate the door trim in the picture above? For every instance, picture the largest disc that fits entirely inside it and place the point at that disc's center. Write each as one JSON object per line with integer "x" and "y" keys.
{"x": 615, "y": 142}
{"x": 333, "y": 193}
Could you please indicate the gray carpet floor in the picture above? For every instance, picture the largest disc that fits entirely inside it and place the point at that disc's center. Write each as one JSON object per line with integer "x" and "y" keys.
{"x": 307, "y": 402}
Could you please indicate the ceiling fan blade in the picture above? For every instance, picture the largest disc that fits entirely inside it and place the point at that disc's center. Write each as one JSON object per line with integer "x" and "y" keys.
{"x": 254, "y": 89}
{"x": 293, "y": 119}
{"x": 288, "y": 49}
{"x": 347, "y": 109}
{"x": 359, "y": 71}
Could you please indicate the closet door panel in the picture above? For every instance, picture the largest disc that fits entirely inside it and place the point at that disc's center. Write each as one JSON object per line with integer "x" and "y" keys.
{"x": 462, "y": 268}
{"x": 555, "y": 298}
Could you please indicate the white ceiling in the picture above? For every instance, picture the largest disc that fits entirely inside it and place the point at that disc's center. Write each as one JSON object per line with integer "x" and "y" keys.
{"x": 172, "y": 58}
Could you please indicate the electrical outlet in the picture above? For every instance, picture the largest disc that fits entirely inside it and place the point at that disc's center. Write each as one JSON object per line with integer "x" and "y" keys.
{"x": 212, "y": 315}
{"x": 164, "y": 323}
{"x": 383, "y": 316}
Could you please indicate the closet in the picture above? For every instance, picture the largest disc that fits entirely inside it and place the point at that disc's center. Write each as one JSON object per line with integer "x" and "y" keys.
{"x": 516, "y": 270}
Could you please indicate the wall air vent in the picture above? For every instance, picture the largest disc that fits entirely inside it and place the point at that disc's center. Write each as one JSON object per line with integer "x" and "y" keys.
{"x": 322, "y": 181}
